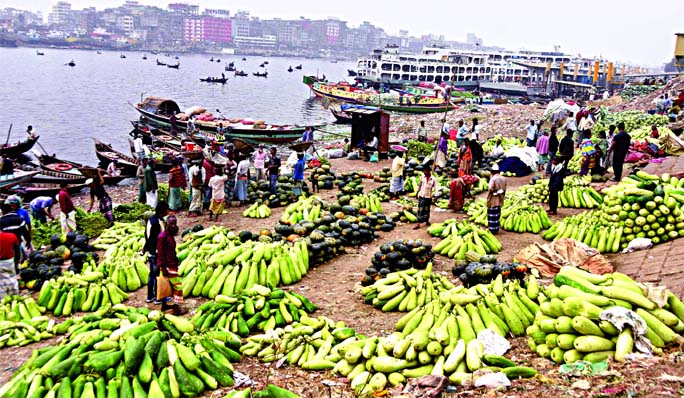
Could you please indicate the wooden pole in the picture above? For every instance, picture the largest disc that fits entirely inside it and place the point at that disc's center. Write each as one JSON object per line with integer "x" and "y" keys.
{"x": 8, "y": 135}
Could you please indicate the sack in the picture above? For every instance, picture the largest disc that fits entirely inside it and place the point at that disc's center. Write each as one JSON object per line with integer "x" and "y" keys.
{"x": 163, "y": 287}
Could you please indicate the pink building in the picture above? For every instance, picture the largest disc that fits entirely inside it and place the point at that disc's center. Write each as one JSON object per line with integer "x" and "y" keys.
{"x": 332, "y": 32}
{"x": 217, "y": 30}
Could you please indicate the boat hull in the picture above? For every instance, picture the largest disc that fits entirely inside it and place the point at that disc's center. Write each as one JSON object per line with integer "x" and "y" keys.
{"x": 420, "y": 109}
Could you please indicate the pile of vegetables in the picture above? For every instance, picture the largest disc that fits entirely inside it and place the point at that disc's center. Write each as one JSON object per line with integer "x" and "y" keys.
{"x": 270, "y": 391}
{"x": 571, "y": 324}
{"x": 589, "y": 228}
{"x": 349, "y": 184}
{"x": 632, "y": 119}
{"x": 417, "y": 148}
{"x": 132, "y": 212}
{"x": 304, "y": 209}
{"x": 383, "y": 175}
{"x": 261, "y": 190}
{"x": 398, "y": 255}
{"x": 89, "y": 224}
{"x": 163, "y": 195}
{"x": 518, "y": 214}
{"x": 257, "y": 210}
{"x": 255, "y": 309}
{"x": 323, "y": 177}
{"x": 635, "y": 90}
{"x": 382, "y": 192}
{"x": 22, "y": 322}
{"x": 86, "y": 292}
{"x": 461, "y": 240}
{"x": 122, "y": 261}
{"x": 137, "y": 354}
{"x": 577, "y": 192}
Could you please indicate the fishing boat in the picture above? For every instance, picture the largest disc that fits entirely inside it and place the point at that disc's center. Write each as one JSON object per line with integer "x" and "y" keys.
{"x": 298, "y": 67}
{"x": 157, "y": 138}
{"x": 13, "y": 151}
{"x": 162, "y": 164}
{"x": 144, "y": 56}
{"x": 51, "y": 164}
{"x": 159, "y": 63}
{"x": 265, "y": 62}
{"x": 122, "y": 56}
{"x": 211, "y": 59}
{"x": 39, "y": 53}
{"x": 218, "y": 60}
{"x": 176, "y": 66}
{"x": 410, "y": 102}
{"x": 106, "y": 154}
{"x": 241, "y": 73}
{"x": 259, "y": 74}
{"x": 290, "y": 69}
{"x": 19, "y": 177}
{"x": 244, "y": 59}
{"x": 71, "y": 63}
{"x": 351, "y": 72}
{"x": 32, "y": 190}
{"x": 229, "y": 68}
{"x": 262, "y": 65}
{"x": 157, "y": 112}
{"x": 220, "y": 80}
{"x": 99, "y": 52}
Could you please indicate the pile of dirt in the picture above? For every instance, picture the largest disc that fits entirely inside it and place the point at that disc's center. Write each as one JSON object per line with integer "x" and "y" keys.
{"x": 647, "y": 102}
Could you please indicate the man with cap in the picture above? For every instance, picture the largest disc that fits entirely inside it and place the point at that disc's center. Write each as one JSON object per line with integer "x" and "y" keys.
{"x": 273, "y": 169}
{"x": 15, "y": 205}
{"x": 495, "y": 199}
{"x": 260, "y": 159}
{"x": 41, "y": 208}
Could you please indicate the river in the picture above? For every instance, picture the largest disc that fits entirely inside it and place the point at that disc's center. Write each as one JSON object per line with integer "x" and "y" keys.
{"x": 67, "y": 106}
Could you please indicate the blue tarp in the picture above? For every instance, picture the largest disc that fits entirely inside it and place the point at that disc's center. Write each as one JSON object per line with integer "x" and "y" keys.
{"x": 515, "y": 165}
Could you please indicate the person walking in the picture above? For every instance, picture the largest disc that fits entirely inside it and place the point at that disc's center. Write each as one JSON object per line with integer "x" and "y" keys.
{"x": 196, "y": 183}
{"x": 462, "y": 133}
{"x": 177, "y": 182}
{"x": 9, "y": 245}
{"x": 150, "y": 182}
{"x": 139, "y": 147}
{"x": 260, "y": 160}
{"x": 298, "y": 174}
{"x": 495, "y": 199}
{"x": 442, "y": 150}
{"x": 456, "y": 193}
{"x": 465, "y": 159}
{"x": 421, "y": 132}
{"x": 167, "y": 261}
{"x": 566, "y": 148}
{"x": 531, "y": 133}
{"x": 13, "y": 223}
{"x": 140, "y": 175}
{"x": 555, "y": 183}
{"x": 153, "y": 228}
{"x": 475, "y": 131}
{"x": 273, "y": 169}
{"x": 553, "y": 148}
{"x": 218, "y": 194}
{"x": 67, "y": 211}
{"x": 241, "y": 179}
{"x": 619, "y": 149}
{"x": 397, "y": 170}
{"x": 570, "y": 123}
{"x": 543, "y": 150}
{"x": 97, "y": 190}
{"x": 427, "y": 189}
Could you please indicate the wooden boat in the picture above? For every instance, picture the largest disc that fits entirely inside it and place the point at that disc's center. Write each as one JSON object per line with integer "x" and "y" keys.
{"x": 211, "y": 59}
{"x": 106, "y": 154}
{"x": 300, "y": 146}
{"x": 99, "y": 52}
{"x": 122, "y": 56}
{"x": 242, "y": 146}
{"x": 159, "y": 63}
{"x": 144, "y": 57}
{"x": 220, "y": 80}
{"x": 290, "y": 69}
{"x": 13, "y": 151}
{"x": 262, "y": 65}
{"x": 229, "y": 68}
{"x": 157, "y": 112}
{"x": 71, "y": 63}
{"x": 32, "y": 190}
{"x": 231, "y": 63}
{"x": 258, "y": 74}
{"x": 54, "y": 167}
{"x": 298, "y": 67}
{"x": 341, "y": 117}
{"x": 161, "y": 166}
{"x": 244, "y": 59}
{"x": 39, "y": 53}
{"x": 158, "y": 138}
{"x": 351, "y": 72}
{"x": 241, "y": 73}
{"x": 218, "y": 60}
{"x": 176, "y": 66}
{"x": 19, "y": 177}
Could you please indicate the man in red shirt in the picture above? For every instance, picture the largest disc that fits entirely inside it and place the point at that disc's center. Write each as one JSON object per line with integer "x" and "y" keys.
{"x": 8, "y": 276}
{"x": 67, "y": 211}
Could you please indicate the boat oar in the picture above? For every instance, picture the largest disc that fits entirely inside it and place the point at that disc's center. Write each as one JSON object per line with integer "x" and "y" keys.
{"x": 8, "y": 135}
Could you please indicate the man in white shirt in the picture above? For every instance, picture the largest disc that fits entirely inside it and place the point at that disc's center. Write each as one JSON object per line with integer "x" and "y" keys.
{"x": 462, "y": 133}
{"x": 497, "y": 151}
{"x": 531, "y": 133}
{"x": 371, "y": 147}
{"x": 138, "y": 147}
{"x": 113, "y": 170}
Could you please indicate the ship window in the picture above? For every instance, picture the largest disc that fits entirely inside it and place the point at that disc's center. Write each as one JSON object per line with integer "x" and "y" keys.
{"x": 414, "y": 68}
{"x": 475, "y": 78}
{"x": 405, "y": 77}
{"x": 395, "y": 76}
{"x": 397, "y": 67}
{"x": 423, "y": 69}
{"x": 468, "y": 78}
{"x": 430, "y": 78}
{"x": 414, "y": 78}
{"x": 385, "y": 76}
{"x": 469, "y": 70}
{"x": 421, "y": 78}
{"x": 461, "y": 70}
{"x": 386, "y": 67}
{"x": 460, "y": 78}
{"x": 438, "y": 79}
{"x": 405, "y": 68}
{"x": 446, "y": 78}
{"x": 402, "y": 58}
{"x": 439, "y": 69}
{"x": 488, "y": 70}
{"x": 431, "y": 69}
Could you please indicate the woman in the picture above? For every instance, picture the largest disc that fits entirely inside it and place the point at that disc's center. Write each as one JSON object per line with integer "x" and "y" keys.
{"x": 177, "y": 183}
{"x": 97, "y": 191}
{"x": 465, "y": 159}
{"x": 457, "y": 194}
{"x": 140, "y": 175}
{"x": 167, "y": 261}
{"x": 588, "y": 151}
{"x": 442, "y": 150}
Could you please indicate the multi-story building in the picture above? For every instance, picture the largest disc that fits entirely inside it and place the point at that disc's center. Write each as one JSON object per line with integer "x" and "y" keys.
{"x": 60, "y": 14}
{"x": 125, "y": 23}
{"x": 241, "y": 24}
{"x": 193, "y": 30}
{"x": 332, "y": 31}
{"x": 217, "y": 30}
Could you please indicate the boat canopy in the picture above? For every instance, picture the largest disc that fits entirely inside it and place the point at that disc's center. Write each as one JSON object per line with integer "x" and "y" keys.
{"x": 159, "y": 106}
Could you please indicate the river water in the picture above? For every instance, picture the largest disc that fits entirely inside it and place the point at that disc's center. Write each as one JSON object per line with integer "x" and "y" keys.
{"x": 67, "y": 106}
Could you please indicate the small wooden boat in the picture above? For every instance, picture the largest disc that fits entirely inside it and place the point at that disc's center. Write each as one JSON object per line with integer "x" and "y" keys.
{"x": 265, "y": 62}
{"x": 144, "y": 57}
{"x": 244, "y": 59}
{"x": 229, "y": 68}
{"x": 176, "y": 57}
{"x": 220, "y": 80}
{"x": 262, "y": 65}
{"x": 162, "y": 166}
{"x": 106, "y": 154}
{"x": 258, "y": 74}
{"x": 218, "y": 60}
{"x": 211, "y": 59}
{"x": 351, "y": 72}
{"x": 71, "y": 63}
{"x": 242, "y": 146}
{"x": 51, "y": 164}
{"x": 39, "y": 53}
{"x": 13, "y": 151}
{"x": 32, "y": 190}
{"x": 241, "y": 73}
{"x": 122, "y": 56}
{"x": 159, "y": 63}
{"x": 300, "y": 146}
{"x": 290, "y": 69}
{"x": 298, "y": 67}
{"x": 176, "y": 66}
{"x": 99, "y": 52}
{"x": 341, "y": 117}
{"x": 19, "y": 177}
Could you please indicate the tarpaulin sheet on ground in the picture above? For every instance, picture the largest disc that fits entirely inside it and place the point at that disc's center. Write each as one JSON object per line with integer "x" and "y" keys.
{"x": 550, "y": 257}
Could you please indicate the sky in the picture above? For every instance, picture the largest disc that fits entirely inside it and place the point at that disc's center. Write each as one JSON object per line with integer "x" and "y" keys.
{"x": 637, "y": 32}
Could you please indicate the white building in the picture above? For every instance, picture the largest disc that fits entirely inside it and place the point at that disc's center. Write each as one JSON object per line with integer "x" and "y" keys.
{"x": 60, "y": 13}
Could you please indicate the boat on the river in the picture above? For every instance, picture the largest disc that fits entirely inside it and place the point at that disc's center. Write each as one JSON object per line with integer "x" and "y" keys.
{"x": 298, "y": 67}
{"x": 144, "y": 56}
{"x": 13, "y": 151}
{"x": 158, "y": 139}
{"x": 176, "y": 66}
{"x": 229, "y": 68}
{"x": 39, "y": 52}
{"x": 260, "y": 74}
{"x": 241, "y": 73}
{"x": 106, "y": 154}
{"x": 157, "y": 112}
{"x": 122, "y": 56}
{"x": 290, "y": 69}
{"x": 351, "y": 72}
{"x": 68, "y": 169}
{"x": 212, "y": 79}
{"x": 159, "y": 63}
{"x": 414, "y": 101}
{"x": 71, "y": 63}
{"x": 19, "y": 177}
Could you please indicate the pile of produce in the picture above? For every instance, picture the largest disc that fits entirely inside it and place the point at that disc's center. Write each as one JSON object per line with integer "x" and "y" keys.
{"x": 132, "y": 212}
{"x": 133, "y": 234}
{"x": 577, "y": 192}
{"x": 89, "y": 224}
{"x": 417, "y": 148}
{"x": 405, "y": 290}
{"x": 258, "y": 308}
{"x": 486, "y": 269}
{"x": 140, "y": 355}
{"x": 366, "y": 203}
{"x": 400, "y": 255}
{"x": 261, "y": 190}
{"x": 323, "y": 177}
{"x": 506, "y": 143}
{"x": 122, "y": 261}
{"x": 572, "y": 324}
{"x": 349, "y": 184}
{"x": 632, "y": 119}
{"x": 271, "y": 391}
{"x": 304, "y": 209}
{"x": 71, "y": 293}
{"x": 591, "y": 229}
{"x": 635, "y": 90}
{"x": 459, "y": 240}
{"x": 22, "y": 322}
{"x": 257, "y": 210}
{"x": 383, "y": 175}
{"x": 382, "y": 192}
{"x": 518, "y": 214}
{"x": 163, "y": 195}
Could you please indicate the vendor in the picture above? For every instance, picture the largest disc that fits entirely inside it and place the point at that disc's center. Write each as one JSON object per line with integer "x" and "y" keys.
{"x": 457, "y": 193}
{"x": 465, "y": 159}
{"x": 371, "y": 147}
{"x": 497, "y": 151}
{"x": 654, "y": 132}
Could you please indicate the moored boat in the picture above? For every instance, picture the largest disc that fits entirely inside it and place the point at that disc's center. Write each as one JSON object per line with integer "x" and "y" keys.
{"x": 176, "y": 66}
{"x": 31, "y": 190}
{"x": 54, "y": 167}
{"x": 106, "y": 154}
{"x": 19, "y": 177}
{"x": 260, "y": 74}
{"x": 14, "y": 150}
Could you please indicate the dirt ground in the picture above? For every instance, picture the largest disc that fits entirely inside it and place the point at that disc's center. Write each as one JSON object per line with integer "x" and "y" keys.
{"x": 334, "y": 287}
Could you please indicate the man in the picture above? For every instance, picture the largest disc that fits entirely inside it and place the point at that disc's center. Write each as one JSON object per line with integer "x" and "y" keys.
{"x": 475, "y": 131}
{"x": 41, "y": 209}
{"x": 177, "y": 182}
{"x": 421, "y": 132}
{"x": 150, "y": 181}
{"x": 15, "y": 205}
{"x": 97, "y": 191}
{"x": 555, "y": 184}
{"x": 308, "y": 135}
{"x": 138, "y": 147}
{"x": 427, "y": 189}
{"x": 174, "y": 125}
{"x": 477, "y": 152}
{"x": 153, "y": 228}
{"x": 273, "y": 169}
{"x": 462, "y": 133}
{"x": 397, "y": 185}
{"x": 619, "y": 148}
{"x": 67, "y": 211}
{"x": 531, "y": 134}
{"x": 495, "y": 199}
{"x": 7, "y": 169}
{"x": 260, "y": 159}
{"x": 112, "y": 169}
{"x": 218, "y": 194}
{"x": 241, "y": 179}
{"x": 9, "y": 245}
{"x": 553, "y": 148}
{"x": 167, "y": 261}
{"x": 196, "y": 183}
{"x": 497, "y": 151}
{"x": 584, "y": 128}
{"x": 220, "y": 137}
{"x": 566, "y": 148}
{"x": 298, "y": 174}
{"x": 543, "y": 150}
{"x": 140, "y": 175}
{"x": 570, "y": 123}
{"x": 209, "y": 171}
{"x": 13, "y": 223}
{"x": 371, "y": 147}
{"x": 30, "y": 132}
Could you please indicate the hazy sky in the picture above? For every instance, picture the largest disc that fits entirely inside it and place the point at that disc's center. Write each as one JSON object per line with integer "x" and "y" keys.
{"x": 633, "y": 31}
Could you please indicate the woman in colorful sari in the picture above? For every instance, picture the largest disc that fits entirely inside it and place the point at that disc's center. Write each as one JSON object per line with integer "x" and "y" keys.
{"x": 588, "y": 150}
{"x": 465, "y": 159}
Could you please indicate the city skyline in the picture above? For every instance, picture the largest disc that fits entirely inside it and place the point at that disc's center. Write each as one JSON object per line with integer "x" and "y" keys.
{"x": 617, "y": 31}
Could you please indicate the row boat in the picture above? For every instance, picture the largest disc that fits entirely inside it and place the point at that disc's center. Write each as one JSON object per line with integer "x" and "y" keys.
{"x": 19, "y": 177}
{"x": 13, "y": 151}
{"x": 55, "y": 169}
